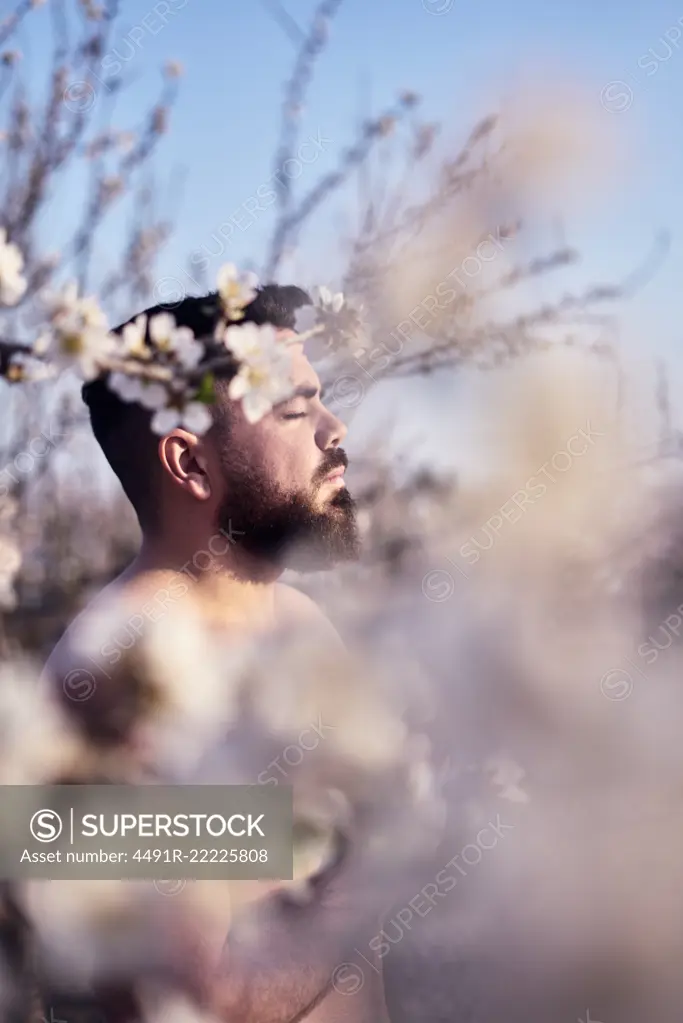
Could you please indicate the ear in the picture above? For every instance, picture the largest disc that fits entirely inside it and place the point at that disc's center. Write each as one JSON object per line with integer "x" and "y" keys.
{"x": 184, "y": 457}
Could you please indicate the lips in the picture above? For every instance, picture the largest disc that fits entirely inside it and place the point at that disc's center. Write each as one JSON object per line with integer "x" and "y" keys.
{"x": 333, "y": 469}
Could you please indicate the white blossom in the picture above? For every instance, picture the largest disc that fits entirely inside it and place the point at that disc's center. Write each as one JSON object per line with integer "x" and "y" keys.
{"x": 188, "y": 350}
{"x": 328, "y": 320}
{"x": 87, "y": 350}
{"x": 325, "y": 302}
{"x": 236, "y": 290}
{"x": 329, "y": 302}
{"x": 195, "y": 417}
{"x": 12, "y": 283}
{"x": 161, "y": 330}
{"x": 10, "y": 562}
{"x": 33, "y": 740}
{"x": 263, "y": 378}
{"x": 247, "y": 340}
{"x": 25, "y": 368}
{"x": 175, "y": 340}
{"x": 153, "y": 395}
{"x": 65, "y": 309}
{"x": 150, "y": 394}
{"x": 133, "y": 338}
{"x": 78, "y": 334}
{"x": 127, "y": 387}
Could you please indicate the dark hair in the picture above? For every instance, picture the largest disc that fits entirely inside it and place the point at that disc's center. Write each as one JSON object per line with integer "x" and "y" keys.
{"x": 122, "y": 429}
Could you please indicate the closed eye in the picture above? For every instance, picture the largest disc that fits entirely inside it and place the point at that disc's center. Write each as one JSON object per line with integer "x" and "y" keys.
{"x": 294, "y": 415}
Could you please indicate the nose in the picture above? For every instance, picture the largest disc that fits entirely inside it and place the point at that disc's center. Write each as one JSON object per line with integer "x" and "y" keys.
{"x": 332, "y": 431}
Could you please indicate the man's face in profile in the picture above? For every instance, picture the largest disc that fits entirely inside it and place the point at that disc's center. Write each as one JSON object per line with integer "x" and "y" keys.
{"x": 284, "y": 495}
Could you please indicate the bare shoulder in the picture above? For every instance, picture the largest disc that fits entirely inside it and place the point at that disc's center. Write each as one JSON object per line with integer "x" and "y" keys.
{"x": 63, "y": 657}
{"x": 67, "y": 656}
{"x": 295, "y": 608}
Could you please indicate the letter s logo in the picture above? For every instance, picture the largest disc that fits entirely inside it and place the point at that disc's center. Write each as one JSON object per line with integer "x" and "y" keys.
{"x": 46, "y": 825}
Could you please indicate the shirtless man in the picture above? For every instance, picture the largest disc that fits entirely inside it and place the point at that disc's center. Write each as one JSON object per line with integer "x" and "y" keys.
{"x": 276, "y": 490}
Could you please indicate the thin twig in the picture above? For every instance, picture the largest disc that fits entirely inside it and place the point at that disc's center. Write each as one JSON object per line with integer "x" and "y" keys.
{"x": 295, "y": 92}
{"x": 284, "y": 19}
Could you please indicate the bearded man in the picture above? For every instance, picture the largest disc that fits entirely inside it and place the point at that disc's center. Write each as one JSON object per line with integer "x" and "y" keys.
{"x": 260, "y": 497}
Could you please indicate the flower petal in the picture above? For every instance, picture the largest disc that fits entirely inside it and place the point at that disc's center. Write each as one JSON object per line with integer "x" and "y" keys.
{"x": 189, "y": 352}
{"x": 197, "y": 418}
{"x": 161, "y": 327}
{"x": 165, "y": 420}
{"x": 238, "y": 387}
{"x": 256, "y": 405}
{"x": 226, "y": 274}
{"x": 241, "y": 340}
{"x": 153, "y": 396}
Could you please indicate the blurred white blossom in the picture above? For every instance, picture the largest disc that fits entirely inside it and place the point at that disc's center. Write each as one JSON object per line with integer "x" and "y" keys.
{"x": 327, "y": 300}
{"x": 263, "y": 378}
{"x": 177, "y": 341}
{"x": 194, "y": 416}
{"x": 12, "y": 283}
{"x": 125, "y": 385}
{"x": 235, "y": 290}
{"x": 133, "y": 339}
{"x": 78, "y": 335}
{"x": 10, "y": 563}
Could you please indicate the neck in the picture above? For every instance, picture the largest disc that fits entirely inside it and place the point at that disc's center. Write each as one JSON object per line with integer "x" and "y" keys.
{"x": 221, "y": 577}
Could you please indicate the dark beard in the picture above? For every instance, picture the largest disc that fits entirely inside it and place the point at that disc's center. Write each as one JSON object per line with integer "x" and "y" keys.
{"x": 284, "y": 529}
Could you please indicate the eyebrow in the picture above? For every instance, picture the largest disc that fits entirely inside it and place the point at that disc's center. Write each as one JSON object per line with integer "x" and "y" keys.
{"x": 308, "y": 391}
{"x": 302, "y": 391}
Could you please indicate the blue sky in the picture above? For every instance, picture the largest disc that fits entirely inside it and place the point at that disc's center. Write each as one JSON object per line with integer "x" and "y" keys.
{"x": 462, "y": 58}
{"x": 461, "y": 63}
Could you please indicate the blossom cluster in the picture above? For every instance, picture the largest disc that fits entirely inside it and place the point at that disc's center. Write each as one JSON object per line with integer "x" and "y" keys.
{"x": 160, "y": 364}
{"x": 181, "y": 727}
{"x": 10, "y": 555}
